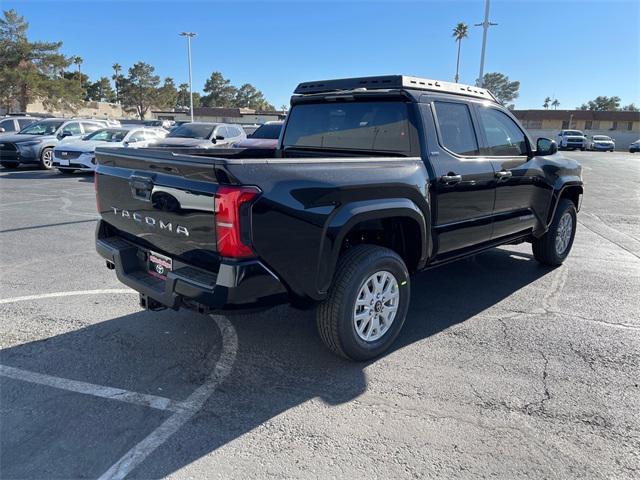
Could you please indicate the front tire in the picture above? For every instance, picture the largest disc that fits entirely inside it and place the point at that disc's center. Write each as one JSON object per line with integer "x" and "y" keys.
{"x": 46, "y": 158}
{"x": 367, "y": 303}
{"x": 554, "y": 246}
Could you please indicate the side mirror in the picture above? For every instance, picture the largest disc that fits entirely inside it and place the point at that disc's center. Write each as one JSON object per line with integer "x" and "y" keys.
{"x": 125, "y": 144}
{"x": 219, "y": 137}
{"x": 65, "y": 133}
{"x": 2, "y": 130}
{"x": 546, "y": 146}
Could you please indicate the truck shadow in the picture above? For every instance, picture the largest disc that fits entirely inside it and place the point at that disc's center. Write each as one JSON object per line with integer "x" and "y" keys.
{"x": 280, "y": 364}
{"x": 35, "y": 173}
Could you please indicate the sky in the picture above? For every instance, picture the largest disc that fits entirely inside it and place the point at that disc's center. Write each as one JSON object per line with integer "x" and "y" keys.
{"x": 569, "y": 50}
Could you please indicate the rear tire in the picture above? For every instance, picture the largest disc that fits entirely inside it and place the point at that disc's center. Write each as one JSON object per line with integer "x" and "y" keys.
{"x": 554, "y": 246}
{"x": 46, "y": 158}
{"x": 367, "y": 303}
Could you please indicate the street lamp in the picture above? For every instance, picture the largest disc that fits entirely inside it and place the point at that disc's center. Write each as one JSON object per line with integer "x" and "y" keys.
{"x": 485, "y": 26}
{"x": 189, "y": 36}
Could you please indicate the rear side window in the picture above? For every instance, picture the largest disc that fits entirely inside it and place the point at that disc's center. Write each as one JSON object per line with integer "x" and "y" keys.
{"x": 24, "y": 122}
{"x": 90, "y": 127}
{"x": 504, "y": 138}
{"x": 7, "y": 125}
{"x": 456, "y": 128}
{"x": 372, "y": 126}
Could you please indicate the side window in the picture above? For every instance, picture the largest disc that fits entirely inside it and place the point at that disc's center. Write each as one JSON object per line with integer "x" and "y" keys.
{"x": 504, "y": 138}
{"x": 456, "y": 128}
{"x": 224, "y": 131}
{"x": 23, "y": 122}
{"x": 137, "y": 136}
{"x": 237, "y": 131}
{"x": 73, "y": 127}
{"x": 90, "y": 127}
{"x": 8, "y": 125}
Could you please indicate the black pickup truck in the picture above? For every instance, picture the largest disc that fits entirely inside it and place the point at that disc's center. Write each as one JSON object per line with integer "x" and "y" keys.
{"x": 374, "y": 179}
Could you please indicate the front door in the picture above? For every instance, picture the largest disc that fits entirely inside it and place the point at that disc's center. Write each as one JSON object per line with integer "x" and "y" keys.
{"x": 522, "y": 195}
{"x": 464, "y": 182}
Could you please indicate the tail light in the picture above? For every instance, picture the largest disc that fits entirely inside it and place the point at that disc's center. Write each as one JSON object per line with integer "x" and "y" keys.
{"x": 233, "y": 229}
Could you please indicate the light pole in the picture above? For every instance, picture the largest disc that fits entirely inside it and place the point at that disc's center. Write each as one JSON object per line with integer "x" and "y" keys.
{"x": 189, "y": 36}
{"x": 485, "y": 26}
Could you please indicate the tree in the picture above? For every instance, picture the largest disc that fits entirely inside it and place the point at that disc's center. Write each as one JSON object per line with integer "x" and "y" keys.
{"x": 220, "y": 92}
{"x": 117, "y": 79}
{"x": 602, "y": 104}
{"x": 182, "y": 99}
{"x": 630, "y": 108}
{"x": 284, "y": 107}
{"x": 503, "y": 89}
{"x": 167, "y": 94}
{"x": 546, "y": 103}
{"x": 140, "y": 89}
{"x": 555, "y": 104}
{"x": 32, "y": 70}
{"x": 101, "y": 91}
{"x": 77, "y": 60}
{"x": 461, "y": 31}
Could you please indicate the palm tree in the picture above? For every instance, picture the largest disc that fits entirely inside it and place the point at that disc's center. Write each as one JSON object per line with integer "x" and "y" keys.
{"x": 116, "y": 69}
{"x": 78, "y": 61}
{"x": 546, "y": 103}
{"x": 461, "y": 31}
{"x": 555, "y": 104}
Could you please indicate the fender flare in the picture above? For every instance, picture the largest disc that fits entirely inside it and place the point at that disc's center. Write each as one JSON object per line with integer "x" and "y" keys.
{"x": 348, "y": 216}
{"x": 563, "y": 185}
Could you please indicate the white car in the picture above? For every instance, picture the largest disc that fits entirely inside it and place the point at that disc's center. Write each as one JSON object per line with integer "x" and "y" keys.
{"x": 79, "y": 154}
{"x": 601, "y": 143}
{"x": 635, "y": 146}
{"x": 571, "y": 140}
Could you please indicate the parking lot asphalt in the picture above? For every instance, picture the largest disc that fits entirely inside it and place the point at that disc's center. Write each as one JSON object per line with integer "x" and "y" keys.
{"x": 505, "y": 368}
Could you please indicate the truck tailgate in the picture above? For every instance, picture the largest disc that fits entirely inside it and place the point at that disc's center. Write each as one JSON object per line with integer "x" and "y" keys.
{"x": 160, "y": 201}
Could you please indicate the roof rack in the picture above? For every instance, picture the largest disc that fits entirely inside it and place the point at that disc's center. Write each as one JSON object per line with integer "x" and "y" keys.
{"x": 393, "y": 82}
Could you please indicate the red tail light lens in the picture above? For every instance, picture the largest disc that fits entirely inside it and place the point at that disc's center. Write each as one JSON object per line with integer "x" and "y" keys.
{"x": 232, "y": 220}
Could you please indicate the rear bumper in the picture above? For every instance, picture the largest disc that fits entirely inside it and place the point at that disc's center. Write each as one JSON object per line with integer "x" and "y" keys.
{"x": 238, "y": 285}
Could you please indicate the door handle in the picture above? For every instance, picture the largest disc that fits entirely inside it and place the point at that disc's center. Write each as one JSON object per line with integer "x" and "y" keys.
{"x": 451, "y": 178}
{"x": 503, "y": 174}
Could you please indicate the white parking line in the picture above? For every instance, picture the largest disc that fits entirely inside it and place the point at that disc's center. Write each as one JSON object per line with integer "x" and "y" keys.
{"x": 66, "y": 294}
{"x": 183, "y": 411}
{"x": 153, "y": 401}
{"x": 191, "y": 405}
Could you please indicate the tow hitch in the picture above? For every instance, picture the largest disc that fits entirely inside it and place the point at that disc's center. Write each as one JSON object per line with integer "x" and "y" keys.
{"x": 149, "y": 303}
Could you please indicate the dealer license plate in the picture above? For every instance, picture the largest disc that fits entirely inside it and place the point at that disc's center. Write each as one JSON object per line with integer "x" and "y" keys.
{"x": 159, "y": 265}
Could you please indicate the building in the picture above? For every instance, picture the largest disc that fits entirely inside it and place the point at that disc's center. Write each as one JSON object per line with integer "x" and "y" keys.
{"x": 622, "y": 126}
{"x": 98, "y": 110}
{"x": 246, "y": 116}
{"x": 584, "y": 120}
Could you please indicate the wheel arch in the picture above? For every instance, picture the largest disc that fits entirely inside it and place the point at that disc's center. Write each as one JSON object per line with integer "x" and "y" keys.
{"x": 572, "y": 190}
{"x": 400, "y": 221}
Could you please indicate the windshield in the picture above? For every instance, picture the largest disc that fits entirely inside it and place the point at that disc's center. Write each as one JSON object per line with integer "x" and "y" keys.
{"x": 108, "y": 135}
{"x": 601, "y": 137}
{"x": 370, "y": 126}
{"x": 271, "y": 131}
{"x": 573, "y": 132}
{"x": 192, "y": 130}
{"x": 45, "y": 127}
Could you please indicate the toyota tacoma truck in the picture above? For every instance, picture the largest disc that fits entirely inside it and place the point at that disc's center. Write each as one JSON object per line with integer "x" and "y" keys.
{"x": 374, "y": 179}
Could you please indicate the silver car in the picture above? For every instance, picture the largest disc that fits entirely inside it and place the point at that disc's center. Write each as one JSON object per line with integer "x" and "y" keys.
{"x": 601, "y": 143}
{"x": 34, "y": 144}
{"x": 203, "y": 135}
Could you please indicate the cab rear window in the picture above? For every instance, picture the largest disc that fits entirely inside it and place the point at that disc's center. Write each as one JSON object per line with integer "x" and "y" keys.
{"x": 370, "y": 126}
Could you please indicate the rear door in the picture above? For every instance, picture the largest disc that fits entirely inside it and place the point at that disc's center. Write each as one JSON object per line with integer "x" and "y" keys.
{"x": 465, "y": 183}
{"x": 522, "y": 194}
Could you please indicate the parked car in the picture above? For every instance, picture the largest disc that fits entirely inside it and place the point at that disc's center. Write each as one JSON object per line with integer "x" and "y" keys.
{"x": 13, "y": 124}
{"x": 635, "y": 146}
{"x": 266, "y": 136}
{"x": 203, "y": 135}
{"x": 374, "y": 179}
{"x": 79, "y": 154}
{"x": 601, "y": 143}
{"x": 34, "y": 144}
{"x": 571, "y": 140}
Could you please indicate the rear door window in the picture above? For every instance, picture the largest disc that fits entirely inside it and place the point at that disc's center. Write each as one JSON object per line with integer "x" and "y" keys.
{"x": 456, "y": 128}
{"x": 73, "y": 127}
{"x": 370, "y": 126}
